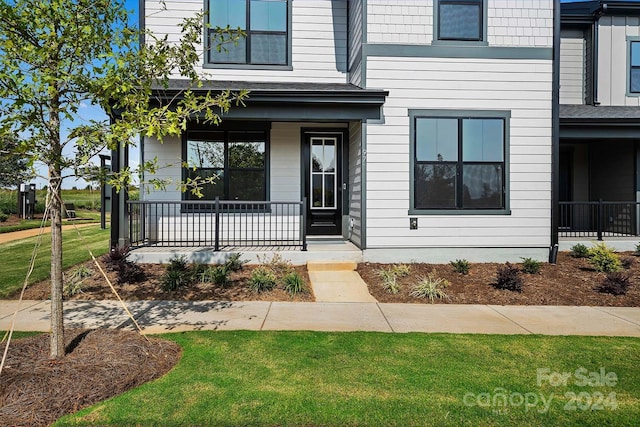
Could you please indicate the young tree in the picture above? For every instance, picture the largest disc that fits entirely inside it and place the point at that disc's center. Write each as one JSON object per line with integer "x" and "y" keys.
{"x": 55, "y": 56}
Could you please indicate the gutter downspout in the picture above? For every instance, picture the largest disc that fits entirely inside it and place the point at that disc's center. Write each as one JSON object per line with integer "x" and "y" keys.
{"x": 555, "y": 131}
{"x": 594, "y": 64}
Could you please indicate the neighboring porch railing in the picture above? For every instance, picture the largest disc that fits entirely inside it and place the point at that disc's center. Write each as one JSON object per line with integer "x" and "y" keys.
{"x": 598, "y": 219}
{"x": 217, "y": 224}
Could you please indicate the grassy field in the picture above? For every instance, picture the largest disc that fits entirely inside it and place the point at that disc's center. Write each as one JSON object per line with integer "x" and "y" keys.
{"x": 377, "y": 379}
{"x": 16, "y": 255}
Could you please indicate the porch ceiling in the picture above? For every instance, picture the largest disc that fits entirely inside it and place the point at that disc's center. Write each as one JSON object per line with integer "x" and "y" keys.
{"x": 292, "y": 101}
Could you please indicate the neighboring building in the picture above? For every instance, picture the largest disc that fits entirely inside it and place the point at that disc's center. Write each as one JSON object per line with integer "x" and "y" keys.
{"x": 416, "y": 129}
{"x": 599, "y": 157}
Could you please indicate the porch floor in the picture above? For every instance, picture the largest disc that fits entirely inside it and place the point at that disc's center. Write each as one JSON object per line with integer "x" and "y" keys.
{"x": 322, "y": 248}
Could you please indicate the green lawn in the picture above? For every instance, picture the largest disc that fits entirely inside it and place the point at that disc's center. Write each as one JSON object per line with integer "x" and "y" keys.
{"x": 83, "y": 216}
{"x": 16, "y": 256}
{"x": 377, "y": 379}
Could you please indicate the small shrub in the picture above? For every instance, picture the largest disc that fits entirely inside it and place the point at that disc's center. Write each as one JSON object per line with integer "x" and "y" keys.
{"x": 278, "y": 265}
{"x": 198, "y": 269}
{"x": 616, "y": 283}
{"x": 3, "y": 217}
{"x": 234, "y": 263}
{"x": 579, "y": 251}
{"x": 531, "y": 266}
{"x": 637, "y": 251}
{"x": 604, "y": 259}
{"x": 460, "y": 266}
{"x": 430, "y": 287}
{"x": 389, "y": 282}
{"x": 177, "y": 274}
{"x": 508, "y": 277}
{"x": 73, "y": 285}
{"x": 117, "y": 253}
{"x": 262, "y": 279}
{"x": 220, "y": 275}
{"x": 129, "y": 272}
{"x": 401, "y": 270}
{"x": 627, "y": 262}
{"x": 294, "y": 283}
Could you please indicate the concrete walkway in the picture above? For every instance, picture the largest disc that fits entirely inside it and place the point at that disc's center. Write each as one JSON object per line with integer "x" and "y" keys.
{"x": 173, "y": 316}
{"x": 337, "y": 281}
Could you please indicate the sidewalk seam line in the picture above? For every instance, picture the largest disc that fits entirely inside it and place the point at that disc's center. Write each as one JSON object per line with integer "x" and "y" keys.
{"x": 616, "y": 316}
{"x": 385, "y": 317}
{"x": 266, "y": 315}
{"x": 510, "y": 319}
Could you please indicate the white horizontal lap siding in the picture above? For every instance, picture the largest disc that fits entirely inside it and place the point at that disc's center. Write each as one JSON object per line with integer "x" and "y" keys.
{"x": 522, "y": 87}
{"x": 355, "y": 182}
{"x": 319, "y": 40}
{"x": 169, "y": 157}
{"x": 613, "y": 61}
{"x": 572, "y": 67}
{"x": 285, "y": 162}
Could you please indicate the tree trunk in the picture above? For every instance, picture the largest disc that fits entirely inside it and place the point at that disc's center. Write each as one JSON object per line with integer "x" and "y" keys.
{"x": 57, "y": 325}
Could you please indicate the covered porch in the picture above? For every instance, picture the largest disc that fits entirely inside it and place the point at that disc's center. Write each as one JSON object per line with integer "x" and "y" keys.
{"x": 598, "y": 175}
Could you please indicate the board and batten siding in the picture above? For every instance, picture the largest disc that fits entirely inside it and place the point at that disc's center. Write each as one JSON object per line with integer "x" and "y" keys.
{"x": 319, "y": 40}
{"x": 526, "y": 23}
{"x": 613, "y": 63}
{"x": 520, "y": 86}
{"x": 355, "y": 183}
{"x": 572, "y": 67}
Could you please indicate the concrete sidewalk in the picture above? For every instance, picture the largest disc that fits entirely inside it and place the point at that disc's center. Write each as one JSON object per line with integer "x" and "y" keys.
{"x": 173, "y": 316}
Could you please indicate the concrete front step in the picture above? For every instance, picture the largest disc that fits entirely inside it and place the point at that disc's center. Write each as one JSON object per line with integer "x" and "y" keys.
{"x": 331, "y": 265}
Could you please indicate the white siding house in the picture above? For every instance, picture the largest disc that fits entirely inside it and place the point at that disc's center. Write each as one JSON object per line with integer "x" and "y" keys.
{"x": 413, "y": 138}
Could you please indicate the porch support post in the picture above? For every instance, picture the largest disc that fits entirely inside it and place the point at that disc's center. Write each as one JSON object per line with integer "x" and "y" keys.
{"x": 303, "y": 224}
{"x": 600, "y": 221}
{"x": 217, "y": 231}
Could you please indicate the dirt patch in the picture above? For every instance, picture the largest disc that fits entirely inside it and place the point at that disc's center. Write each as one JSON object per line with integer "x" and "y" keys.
{"x": 572, "y": 281}
{"x": 35, "y": 391}
{"x": 96, "y": 288}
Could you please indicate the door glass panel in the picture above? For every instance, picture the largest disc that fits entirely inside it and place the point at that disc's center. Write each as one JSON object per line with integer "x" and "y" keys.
{"x": 316, "y": 190}
{"x": 317, "y": 156}
{"x": 329, "y": 191}
{"x": 329, "y": 157}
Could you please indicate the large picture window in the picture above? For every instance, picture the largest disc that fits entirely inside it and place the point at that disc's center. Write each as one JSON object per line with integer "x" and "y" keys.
{"x": 460, "y": 20}
{"x": 236, "y": 158}
{"x": 266, "y": 23}
{"x": 459, "y": 161}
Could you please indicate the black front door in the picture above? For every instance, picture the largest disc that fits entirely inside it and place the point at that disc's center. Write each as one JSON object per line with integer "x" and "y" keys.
{"x": 322, "y": 154}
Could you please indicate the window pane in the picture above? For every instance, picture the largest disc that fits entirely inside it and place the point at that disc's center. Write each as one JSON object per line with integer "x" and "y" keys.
{"x": 230, "y": 52}
{"x": 482, "y": 186}
{"x": 317, "y": 156}
{"x": 269, "y": 49}
{"x": 482, "y": 140}
{"x": 635, "y": 54}
{"x": 246, "y": 185}
{"x": 460, "y": 21}
{"x": 435, "y": 186}
{"x": 316, "y": 190}
{"x": 209, "y": 191}
{"x": 635, "y": 80}
{"x": 268, "y": 15}
{"x": 329, "y": 156}
{"x": 246, "y": 154}
{"x": 206, "y": 154}
{"x": 437, "y": 140}
{"x": 329, "y": 191}
{"x": 228, "y": 12}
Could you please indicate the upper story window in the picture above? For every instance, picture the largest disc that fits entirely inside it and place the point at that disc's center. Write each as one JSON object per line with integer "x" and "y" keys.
{"x": 634, "y": 67}
{"x": 266, "y": 23}
{"x": 459, "y": 160}
{"x": 460, "y": 20}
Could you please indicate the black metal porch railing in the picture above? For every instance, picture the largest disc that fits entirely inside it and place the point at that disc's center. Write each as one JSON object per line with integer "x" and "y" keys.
{"x": 217, "y": 224}
{"x": 598, "y": 219}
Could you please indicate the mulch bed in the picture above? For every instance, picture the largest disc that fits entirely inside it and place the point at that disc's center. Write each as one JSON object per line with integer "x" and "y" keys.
{"x": 99, "y": 364}
{"x": 96, "y": 288}
{"x": 572, "y": 281}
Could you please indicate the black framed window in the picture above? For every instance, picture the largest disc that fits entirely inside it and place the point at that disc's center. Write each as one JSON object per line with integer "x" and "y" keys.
{"x": 237, "y": 158}
{"x": 634, "y": 71}
{"x": 266, "y": 23}
{"x": 460, "y": 20}
{"x": 459, "y": 163}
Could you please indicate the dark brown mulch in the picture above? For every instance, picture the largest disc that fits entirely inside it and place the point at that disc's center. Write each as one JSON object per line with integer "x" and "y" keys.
{"x": 571, "y": 281}
{"x": 35, "y": 391}
{"x": 96, "y": 288}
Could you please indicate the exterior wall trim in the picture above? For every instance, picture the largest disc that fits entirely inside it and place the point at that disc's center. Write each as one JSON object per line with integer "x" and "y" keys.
{"x": 457, "y": 51}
